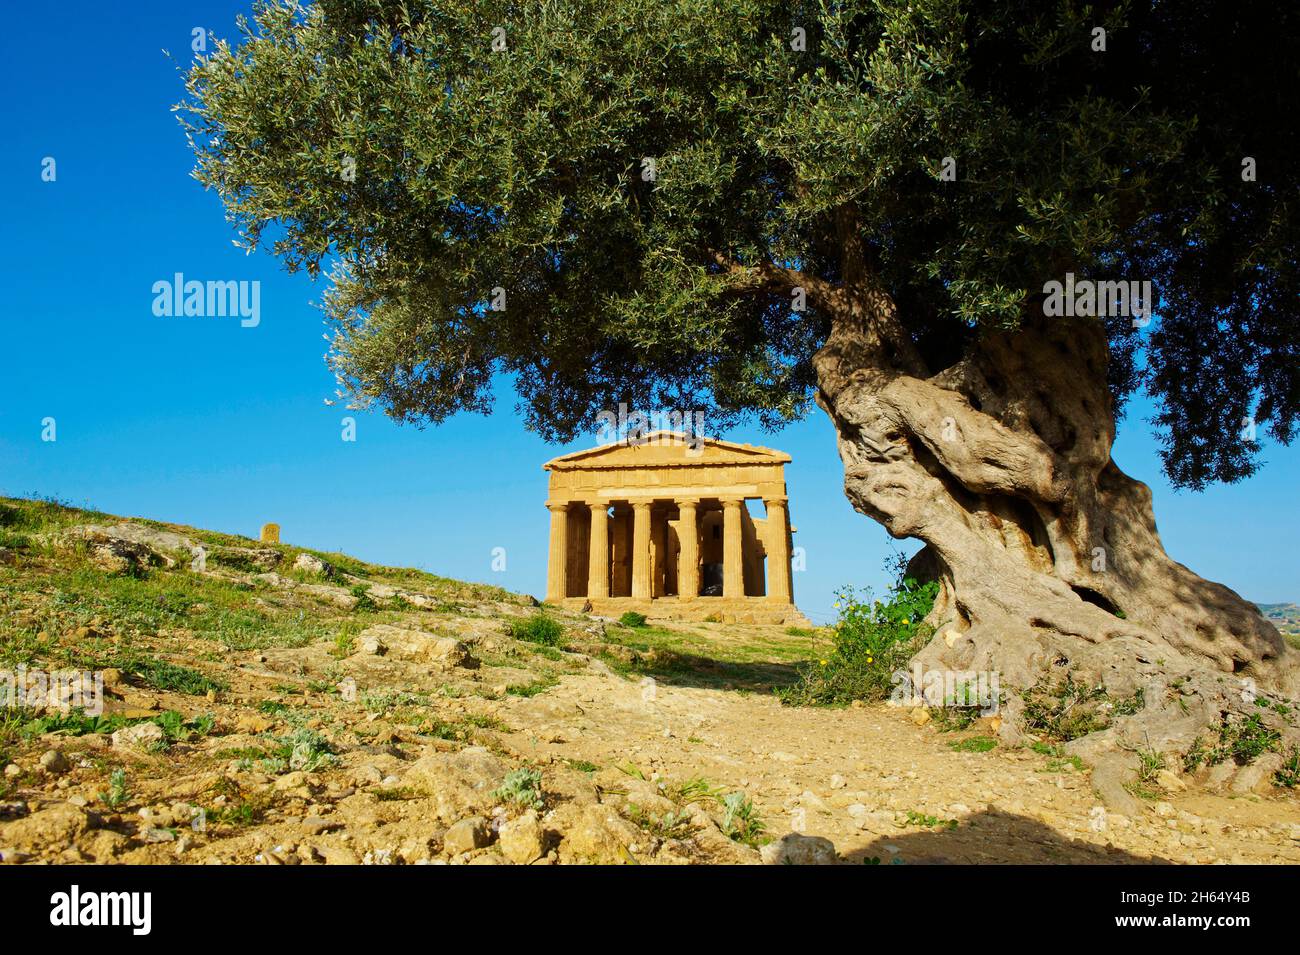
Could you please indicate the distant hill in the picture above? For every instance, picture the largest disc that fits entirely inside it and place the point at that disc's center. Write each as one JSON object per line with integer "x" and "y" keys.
{"x": 1284, "y": 616}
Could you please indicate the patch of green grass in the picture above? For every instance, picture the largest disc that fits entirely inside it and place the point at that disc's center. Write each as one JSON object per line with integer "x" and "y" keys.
{"x": 13, "y": 540}
{"x": 915, "y": 818}
{"x": 385, "y": 701}
{"x": 480, "y": 721}
{"x": 975, "y": 744}
{"x": 365, "y": 603}
{"x": 540, "y": 685}
{"x": 240, "y": 808}
{"x": 344, "y": 642}
{"x": 694, "y": 789}
{"x": 175, "y": 727}
{"x": 539, "y": 628}
{"x": 441, "y": 729}
{"x": 74, "y": 723}
{"x": 1277, "y": 706}
{"x": 162, "y": 675}
{"x": 212, "y": 608}
{"x": 582, "y": 765}
{"x": 632, "y": 619}
{"x": 1057, "y": 760}
{"x": 1150, "y": 764}
{"x": 703, "y": 657}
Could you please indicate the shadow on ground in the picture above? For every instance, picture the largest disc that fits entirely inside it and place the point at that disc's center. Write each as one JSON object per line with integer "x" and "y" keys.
{"x": 994, "y": 837}
{"x": 674, "y": 668}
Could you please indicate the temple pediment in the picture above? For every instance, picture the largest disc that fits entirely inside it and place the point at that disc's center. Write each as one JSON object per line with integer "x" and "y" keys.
{"x": 667, "y": 449}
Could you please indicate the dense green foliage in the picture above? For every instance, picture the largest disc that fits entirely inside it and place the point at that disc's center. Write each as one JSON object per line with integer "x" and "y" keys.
{"x": 1242, "y": 740}
{"x": 871, "y": 641}
{"x": 539, "y": 628}
{"x": 438, "y": 177}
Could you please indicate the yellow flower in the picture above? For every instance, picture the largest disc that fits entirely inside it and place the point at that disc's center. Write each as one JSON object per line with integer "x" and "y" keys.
{"x": 823, "y": 663}
{"x": 906, "y": 621}
{"x": 870, "y": 659}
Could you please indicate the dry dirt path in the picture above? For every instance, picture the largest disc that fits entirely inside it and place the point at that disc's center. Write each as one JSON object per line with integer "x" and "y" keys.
{"x": 879, "y": 786}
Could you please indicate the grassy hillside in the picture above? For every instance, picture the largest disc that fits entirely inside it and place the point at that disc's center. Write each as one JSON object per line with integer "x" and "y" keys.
{"x": 251, "y": 683}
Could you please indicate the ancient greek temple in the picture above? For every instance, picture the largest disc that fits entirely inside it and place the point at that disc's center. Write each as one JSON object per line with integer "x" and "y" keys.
{"x": 664, "y": 527}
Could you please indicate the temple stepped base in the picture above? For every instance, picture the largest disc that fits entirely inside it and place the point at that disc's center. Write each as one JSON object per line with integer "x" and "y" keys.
{"x": 719, "y": 609}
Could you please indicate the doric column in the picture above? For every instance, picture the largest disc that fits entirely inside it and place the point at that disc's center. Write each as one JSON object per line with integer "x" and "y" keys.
{"x": 688, "y": 556}
{"x": 778, "y": 554}
{"x": 557, "y": 564}
{"x": 641, "y": 550}
{"x": 733, "y": 569}
{"x": 598, "y": 552}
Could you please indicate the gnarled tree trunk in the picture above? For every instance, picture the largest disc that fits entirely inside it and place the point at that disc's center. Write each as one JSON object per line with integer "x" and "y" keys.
{"x": 1046, "y": 553}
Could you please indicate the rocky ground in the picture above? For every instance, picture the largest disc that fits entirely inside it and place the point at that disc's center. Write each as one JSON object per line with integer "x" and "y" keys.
{"x": 264, "y": 704}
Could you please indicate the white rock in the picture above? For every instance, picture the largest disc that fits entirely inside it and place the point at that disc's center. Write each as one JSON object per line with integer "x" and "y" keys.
{"x": 796, "y": 849}
{"x": 142, "y": 736}
{"x": 312, "y": 564}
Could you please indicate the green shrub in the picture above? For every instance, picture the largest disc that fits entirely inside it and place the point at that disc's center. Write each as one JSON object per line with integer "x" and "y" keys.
{"x": 1288, "y": 774}
{"x": 365, "y": 602}
{"x": 952, "y": 716}
{"x": 1246, "y": 740}
{"x": 740, "y": 820}
{"x": 1241, "y": 740}
{"x": 539, "y": 628}
{"x": 523, "y": 787}
{"x": 632, "y": 619}
{"x": 1150, "y": 763}
{"x": 118, "y": 792}
{"x": 1066, "y": 710}
{"x": 179, "y": 730}
{"x": 303, "y": 749}
{"x": 871, "y": 641}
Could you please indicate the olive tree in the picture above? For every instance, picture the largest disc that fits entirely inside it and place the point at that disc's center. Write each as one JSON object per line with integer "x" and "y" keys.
{"x": 966, "y": 230}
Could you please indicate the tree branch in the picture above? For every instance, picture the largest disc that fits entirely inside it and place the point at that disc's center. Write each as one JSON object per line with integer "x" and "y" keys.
{"x": 768, "y": 275}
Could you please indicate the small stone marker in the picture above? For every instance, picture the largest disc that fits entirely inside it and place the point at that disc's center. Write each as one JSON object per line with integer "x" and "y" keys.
{"x": 270, "y": 533}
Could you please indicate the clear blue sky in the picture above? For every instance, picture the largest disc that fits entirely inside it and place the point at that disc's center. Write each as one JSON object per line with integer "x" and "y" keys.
{"x": 200, "y": 421}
